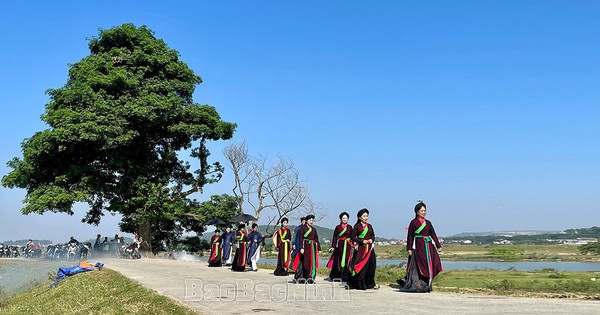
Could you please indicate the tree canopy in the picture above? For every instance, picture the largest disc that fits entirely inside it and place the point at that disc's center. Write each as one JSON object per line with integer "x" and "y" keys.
{"x": 116, "y": 131}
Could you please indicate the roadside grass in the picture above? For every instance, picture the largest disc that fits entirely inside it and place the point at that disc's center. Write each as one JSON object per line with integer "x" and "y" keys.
{"x": 524, "y": 252}
{"x": 547, "y": 283}
{"x": 541, "y": 283}
{"x": 104, "y": 292}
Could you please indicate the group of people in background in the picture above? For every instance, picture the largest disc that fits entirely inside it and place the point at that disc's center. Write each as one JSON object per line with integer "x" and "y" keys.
{"x": 353, "y": 260}
{"x": 246, "y": 254}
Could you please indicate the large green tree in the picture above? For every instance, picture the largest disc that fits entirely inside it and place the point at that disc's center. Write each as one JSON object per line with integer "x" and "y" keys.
{"x": 168, "y": 232}
{"x": 116, "y": 131}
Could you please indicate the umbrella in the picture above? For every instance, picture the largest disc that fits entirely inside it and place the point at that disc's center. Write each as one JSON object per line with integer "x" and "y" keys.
{"x": 215, "y": 222}
{"x": 242, "y": 218}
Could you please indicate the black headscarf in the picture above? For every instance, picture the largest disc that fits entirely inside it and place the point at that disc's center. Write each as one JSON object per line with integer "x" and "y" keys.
{"x": 360, "y": 213}
{"x": 344, "y": 214}
{"x": 418, "y": 206}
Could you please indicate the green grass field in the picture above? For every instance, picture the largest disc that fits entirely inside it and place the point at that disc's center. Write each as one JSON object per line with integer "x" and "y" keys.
{"x": 98, "y": 292}
{"x": 497, "y": 252}
{"x": 524, "y": 252}
{"x": 543, "y": 283}
{"x": 516, "y": 253}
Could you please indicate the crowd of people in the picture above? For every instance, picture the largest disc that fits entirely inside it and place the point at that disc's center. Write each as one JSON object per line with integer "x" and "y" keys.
{"x": 353, "y": 260}
{"x": 73, "y": 249}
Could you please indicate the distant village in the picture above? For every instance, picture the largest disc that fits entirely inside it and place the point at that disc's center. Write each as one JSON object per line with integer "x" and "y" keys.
{"x": 575, "y": 237}
{"x": 504, "y": 241}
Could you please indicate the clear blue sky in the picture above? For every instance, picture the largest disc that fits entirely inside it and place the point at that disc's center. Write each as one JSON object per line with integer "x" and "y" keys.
{"x": 487, "y": 110}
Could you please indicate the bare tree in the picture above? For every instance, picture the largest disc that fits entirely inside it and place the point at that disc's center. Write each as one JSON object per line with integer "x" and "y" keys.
{"x": 265, "y": 181}
{"x": 275, "y": 188}
{"x": 287, "y": 192}
{"x": 239, "y": 160}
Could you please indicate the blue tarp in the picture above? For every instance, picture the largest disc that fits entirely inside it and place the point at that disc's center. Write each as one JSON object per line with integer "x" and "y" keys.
{"x": 65, "y": 272}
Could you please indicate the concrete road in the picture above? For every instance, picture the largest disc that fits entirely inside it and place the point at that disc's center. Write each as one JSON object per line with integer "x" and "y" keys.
{"x": 221, "y": 291}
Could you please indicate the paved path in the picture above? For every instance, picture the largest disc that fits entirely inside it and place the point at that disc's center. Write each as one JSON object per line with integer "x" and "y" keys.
{"x": 214, "y": 291}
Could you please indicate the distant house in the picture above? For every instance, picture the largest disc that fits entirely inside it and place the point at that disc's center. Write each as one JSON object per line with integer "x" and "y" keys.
{"x": 580, "y": 241}
{"x": 502, "y": 242}
{"x": 467, "y": 242}
{"x": 552, "y": 240}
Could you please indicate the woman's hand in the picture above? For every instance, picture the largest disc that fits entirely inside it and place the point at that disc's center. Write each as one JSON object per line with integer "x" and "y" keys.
{"x": 365, "y": 241}
{"x": 301, "y": 250}
{"x": 331, "y": 249}
{"x": 409, "y": 252}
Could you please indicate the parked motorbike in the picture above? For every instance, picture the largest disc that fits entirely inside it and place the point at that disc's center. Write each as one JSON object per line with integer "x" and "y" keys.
{"x": 14, "y": 251}
{"x": 131, "y": 251}
{"x": 84, "y": 251}
{"x": 72, "y": 251}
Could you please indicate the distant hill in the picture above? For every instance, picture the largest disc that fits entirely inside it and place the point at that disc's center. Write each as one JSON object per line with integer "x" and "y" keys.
{"x": 527, "y": 237}
{"x": 503, "y": 233}
{"x": 23, "y": 242}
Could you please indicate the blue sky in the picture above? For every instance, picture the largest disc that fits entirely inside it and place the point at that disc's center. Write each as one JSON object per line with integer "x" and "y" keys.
{"x": 487, "y": 110}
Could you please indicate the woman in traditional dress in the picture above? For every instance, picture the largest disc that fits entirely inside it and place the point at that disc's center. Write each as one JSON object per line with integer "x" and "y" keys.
{"x": 296, "y": 256}
{"x": 255, "y": 241}
{"x": 227, "y": 240}
{"x": 363, "y": 264}
{"x": 309, "y": 251}
{"x": 215, "y": 250}
{"x": 342, "y": 247}
{"x": 422, "y": 245}
{"x": 241, "y": 253}
{"x": 282, "y": 239}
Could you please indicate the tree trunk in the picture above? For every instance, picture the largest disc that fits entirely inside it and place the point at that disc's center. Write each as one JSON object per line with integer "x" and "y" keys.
{"x": 145, "y": 233}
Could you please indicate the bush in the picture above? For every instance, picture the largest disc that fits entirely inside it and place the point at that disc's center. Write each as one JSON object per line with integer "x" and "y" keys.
{"x": 592, "y": 248}
{"x": 500, "y": 285}
{"x": 390, "y": 273}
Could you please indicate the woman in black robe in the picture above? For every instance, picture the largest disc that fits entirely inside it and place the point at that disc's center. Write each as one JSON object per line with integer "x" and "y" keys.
{"x": 309, "y": 252}
{"x": 422, "y": 245}
{"x": 241, "y": 253}
{"x": 282, "y": 239}
{"x": 342, "y": 247}
{"x": 363, "y": 264}
{"x": 215, "y": 250}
